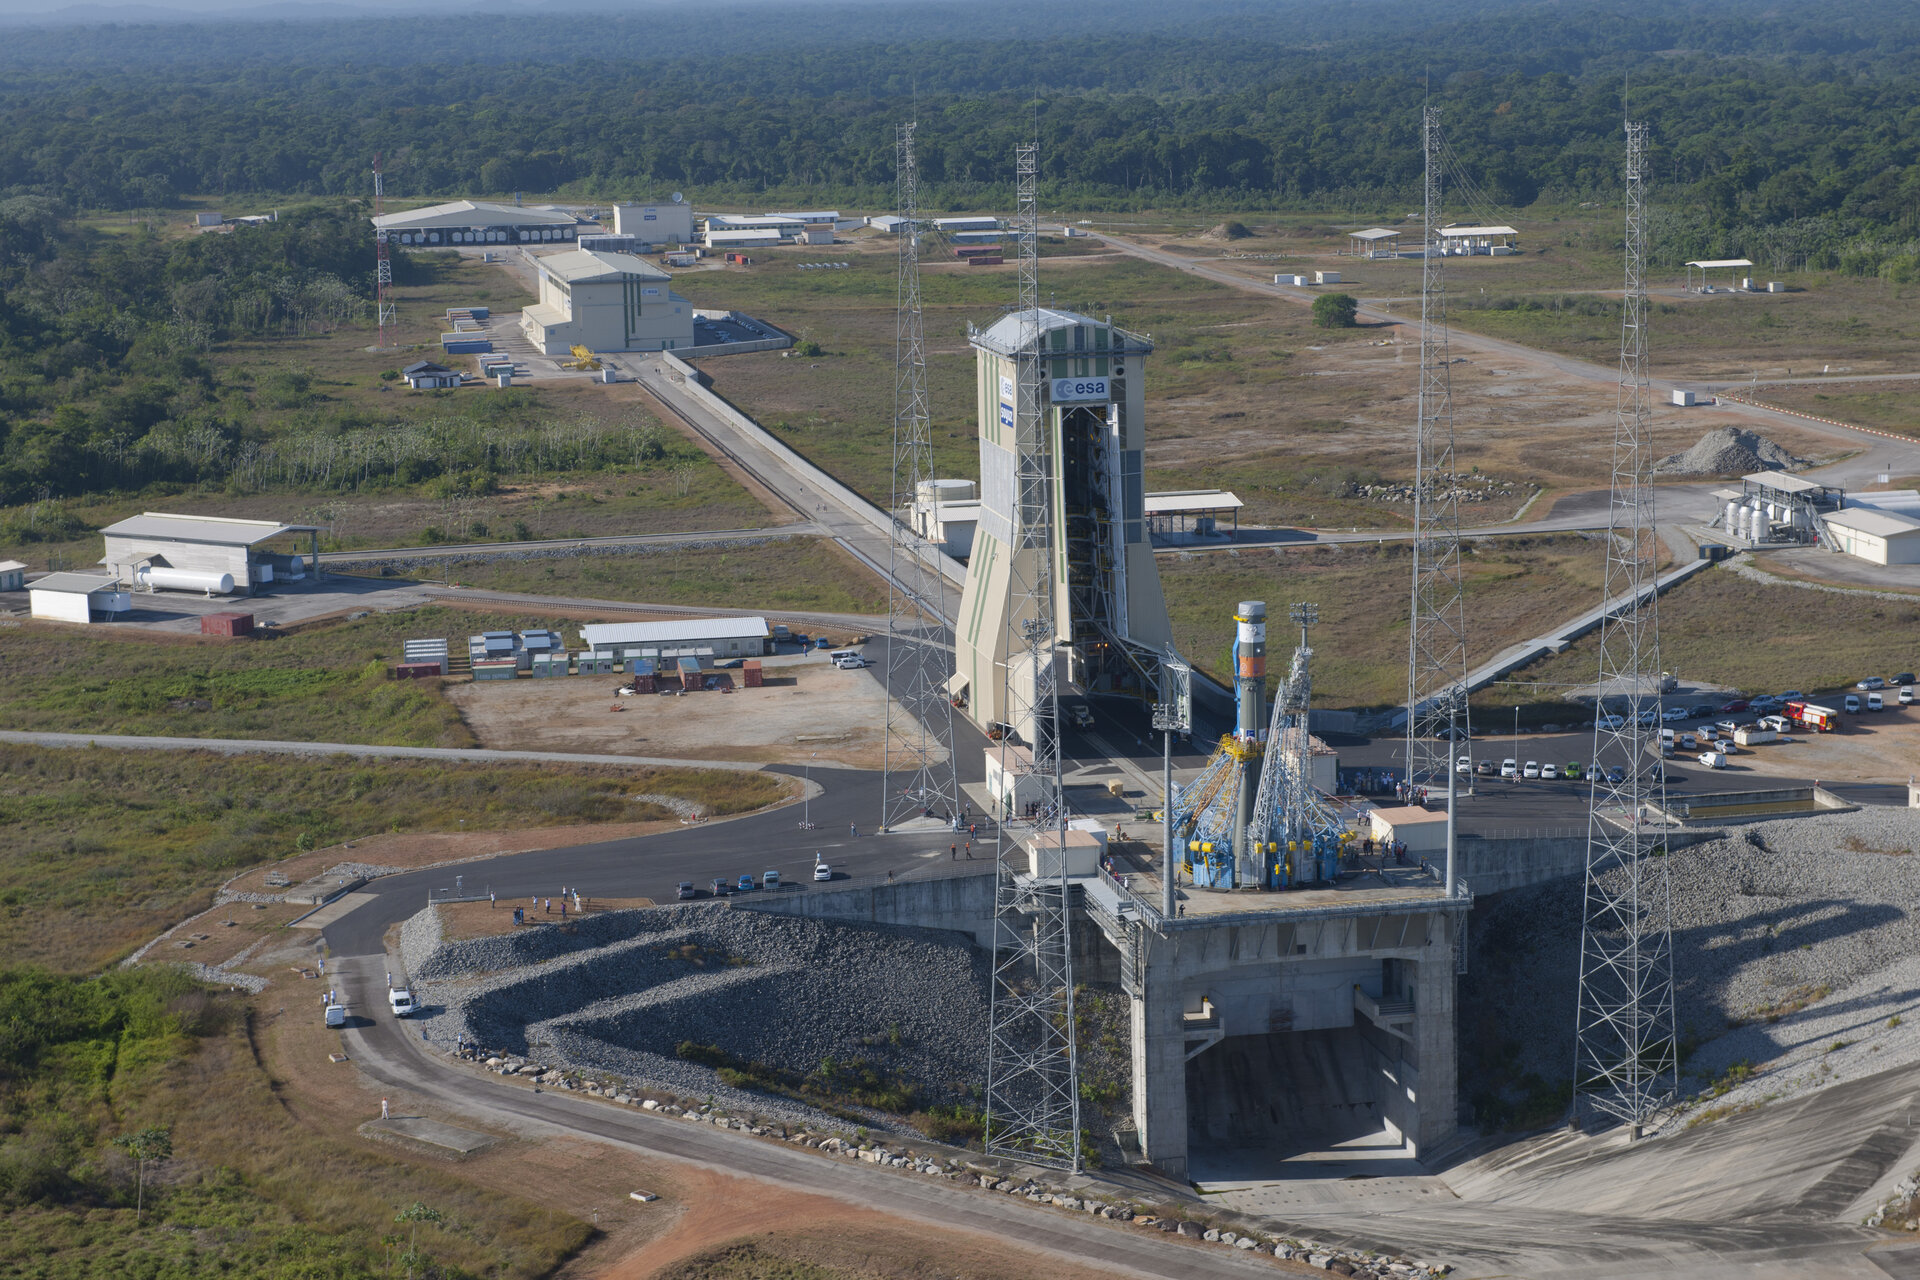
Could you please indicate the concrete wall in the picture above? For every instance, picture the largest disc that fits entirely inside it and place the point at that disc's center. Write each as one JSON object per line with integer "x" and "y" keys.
{"x": 60, "y": 606}
{"x": 1494, "y": 866}
{"x": 963, "y": 904}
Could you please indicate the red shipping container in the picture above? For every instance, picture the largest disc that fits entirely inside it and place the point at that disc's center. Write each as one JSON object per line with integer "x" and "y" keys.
{"x": 416, "y": 670}
{"x": 226, "y": 624}
{"x": 751, "y": 670}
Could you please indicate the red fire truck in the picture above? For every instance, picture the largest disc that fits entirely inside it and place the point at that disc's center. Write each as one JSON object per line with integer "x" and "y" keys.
{"x": 1812, "y": 717}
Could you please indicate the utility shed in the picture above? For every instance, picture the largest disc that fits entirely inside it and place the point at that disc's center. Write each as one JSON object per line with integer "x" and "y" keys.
{"x": 605, "y": 302}
{"x": 425, "y": 375}
{"x": 1878, "y": 537}
{"x": 724, "y": 637}
{"x": 77, "y": 597}
{"x": 13, "y": 575}
{"x": 155, "y": 550}
{"x": 1421, "y": 830}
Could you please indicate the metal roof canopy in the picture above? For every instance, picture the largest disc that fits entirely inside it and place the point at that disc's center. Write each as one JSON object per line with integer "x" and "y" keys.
{"x": 1478, "y": 231}
{"x": 1373, "y": 233}
{"x": 227, "y": 531}
{"x": 79, "y": 584}
{"x": 1008, "y": 335}
{"x": 602, "y": 634}
{"x": 1712, "y": 264}
{"x": 1178, "y": 501}
{"x": 582, "y": 266}
{"x": 1784, "y": 483}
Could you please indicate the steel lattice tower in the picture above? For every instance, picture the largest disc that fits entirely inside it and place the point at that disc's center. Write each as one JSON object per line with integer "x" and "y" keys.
{"x": 1437, "y": 626}
{"x": 1625, "y": 1060}
{"x": 383, "y": 262}
{"x": 1033, "y": 1096}
{"x": 917, "y": 770}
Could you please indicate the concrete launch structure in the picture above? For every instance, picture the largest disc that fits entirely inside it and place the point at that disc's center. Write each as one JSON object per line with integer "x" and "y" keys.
{"x": 1111, "y": 617}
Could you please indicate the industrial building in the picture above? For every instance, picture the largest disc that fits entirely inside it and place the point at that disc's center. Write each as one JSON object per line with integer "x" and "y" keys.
{"x": 13, "y": 575}
{"x": 812, "y": 217}
{"x": 786, "y": 225}
{"x": 752, "y": 238}
{"x": 605, "y": 302}
{"x": 947, "y": 226}
{"x": 1468, "y": 240}
{"x": 217, "y": 555}
{"x": 886, "y": 223}
{"x": 1878, "y": 537}
{"x": 678, "y": 638}
{"x": 77, "y": 597}
{"x": 1111, "y": 616}
{"x": 464, "y": 222}
{"x": 655, "y": 224}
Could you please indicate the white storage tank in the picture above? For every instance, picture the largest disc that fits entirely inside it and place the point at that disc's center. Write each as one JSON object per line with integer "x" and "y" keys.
{"x": 160, "y": 578}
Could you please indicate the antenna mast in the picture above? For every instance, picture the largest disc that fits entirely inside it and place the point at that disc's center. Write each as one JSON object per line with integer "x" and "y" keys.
{"x": 917, "y": 771}
{"x": 1437, "y": 629}
{"x": 1625, "y": 1062}
{"x": 1033, "y": 1095}
{"x": 383, "y": 262}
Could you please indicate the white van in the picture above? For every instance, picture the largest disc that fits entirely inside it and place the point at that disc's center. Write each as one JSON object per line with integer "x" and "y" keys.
{"x": 1875, "y": 703}
{"x": 1853, "y": 705}
{"x": 847, "y": 659}
{"x": 400, "y": 1000}
{"x": 336, "y": 1015}
{"x": 1713, "y": 759}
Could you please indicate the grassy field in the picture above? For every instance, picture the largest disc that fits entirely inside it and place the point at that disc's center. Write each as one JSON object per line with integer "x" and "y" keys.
{"x": 1887, "y": 406}
{"x": 798, "y": 573}
{"x": 247, "y": 1191}
{"x": 1729, "y": 630}
{"x": 100, "y": 850}
{"x": 1360, "y": 645}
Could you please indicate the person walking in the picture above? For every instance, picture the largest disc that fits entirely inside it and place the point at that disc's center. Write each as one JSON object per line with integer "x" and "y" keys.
{"x": 383, "y": 1110}
{"x": 854, "y": 829}
{"x": 969, "y": 851}
{"x": 953, "y": 852}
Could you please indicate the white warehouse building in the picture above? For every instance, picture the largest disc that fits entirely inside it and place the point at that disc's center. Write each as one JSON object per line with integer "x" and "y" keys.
{"x": 217, "y": 555}
{"x": 605, "y": 302}
{"x": 469, "y": 222}
{"x": 654, "y": 224}
{"x": 1878, "y": 537}
{"x": 679, "y": 637}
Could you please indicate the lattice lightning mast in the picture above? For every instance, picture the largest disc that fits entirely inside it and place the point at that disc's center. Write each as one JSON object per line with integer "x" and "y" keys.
{"x": 383, "y": 263}
{"x": 1437, "y": 632}
{"x": 1033, "y": 1096}
{"x": 1625, "y": 1062}
{"x": 917, "y": 772}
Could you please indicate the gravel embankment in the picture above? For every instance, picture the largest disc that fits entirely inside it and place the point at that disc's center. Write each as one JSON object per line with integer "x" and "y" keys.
{"x": 1786, "y": 936}
{"x": 1728, "y": 451}
{"x": 619, "y": 992}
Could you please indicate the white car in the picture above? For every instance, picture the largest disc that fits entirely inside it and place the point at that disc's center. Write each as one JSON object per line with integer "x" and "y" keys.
{"x": 1611, "y": 722}
{"x": 1713, "y": 759}
{"x": 1532, "y": 770}
{"x": 821, "y": 871}
{"x": 1509, "y": 768}
{"x": 400, "y": 1000}
{"x": 1674, "y": 713}
{"x": 1906, "y": 695}
{"x": 1463, "y": 765}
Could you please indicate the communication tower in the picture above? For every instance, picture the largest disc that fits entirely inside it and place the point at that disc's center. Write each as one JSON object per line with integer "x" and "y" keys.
{"x": 1625, "y": 1062}
{"x": 918, "y": 774}
{"x": 1437, "y": 627}
{"x": 1033, "y": 1096}
{"x": 383, "y": 262}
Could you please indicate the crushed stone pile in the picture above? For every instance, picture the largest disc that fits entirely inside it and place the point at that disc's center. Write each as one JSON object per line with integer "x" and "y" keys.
{"x": 1729, "y": 451}
{"x": 1226, "y": 231}
{"x": 619, "y": 993}
{"x": 1775, "y": 925}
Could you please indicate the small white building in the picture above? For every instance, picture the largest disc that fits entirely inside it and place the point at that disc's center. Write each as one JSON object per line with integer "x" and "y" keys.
{"x": 1010, "y": 780}
{"x": 951, "y": 225}
{"x": 1468, "y": 240}
{"x": 426, "y": 375}
{"x": 1878, "y": 537}
{"x": 786, "y": 225}
{"x": 13, "y": 575}
{"x": 748, "y": 239}
{"x": 605, "y": 302}
{"x": 654, "y": 224}
{"x": 886, "y": 223}
{"x": 77, "y": 597}
{"x": 724, "y": 637}
{"x": 1423, "y": 831}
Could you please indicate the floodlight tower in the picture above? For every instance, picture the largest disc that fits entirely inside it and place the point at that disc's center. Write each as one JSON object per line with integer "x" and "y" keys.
{"x": 1437, "y": 625}
{"x": 917, "y": 771}
{"x": 1033, "y": 1096}
{"x": 1625, "y": 1062}
{"x": 383, "y": 262}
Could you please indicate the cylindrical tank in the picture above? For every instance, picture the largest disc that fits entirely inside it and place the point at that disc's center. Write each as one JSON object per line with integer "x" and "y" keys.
{"x": 157, "y": 577}
{"x": 1733, "y": 519}
{"x": 1249, "y": 724}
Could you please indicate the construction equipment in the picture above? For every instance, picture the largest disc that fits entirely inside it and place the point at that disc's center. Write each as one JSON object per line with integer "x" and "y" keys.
{"x": 582, "y": 359}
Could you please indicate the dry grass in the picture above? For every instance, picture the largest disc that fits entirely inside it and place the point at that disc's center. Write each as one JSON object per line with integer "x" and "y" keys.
{"x": 1883, "y": 406}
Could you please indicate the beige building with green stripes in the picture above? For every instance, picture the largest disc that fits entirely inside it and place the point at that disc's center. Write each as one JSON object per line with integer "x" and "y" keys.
{"x": 1110, "y": 618}
{"x": 605, "y": 302}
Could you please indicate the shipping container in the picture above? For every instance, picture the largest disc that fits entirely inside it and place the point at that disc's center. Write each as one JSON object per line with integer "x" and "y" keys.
{"x": 226, "y": 624}
{"x": 643, "y": 676}
{"x": 689, "y": 669}
{"x": 495, "y": 669}
{"x": 416, "y": 670}
{"x": 750, "y": 673}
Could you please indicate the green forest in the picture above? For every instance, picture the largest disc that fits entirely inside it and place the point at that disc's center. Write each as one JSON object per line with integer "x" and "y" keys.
{"x": 1788, "y": 135}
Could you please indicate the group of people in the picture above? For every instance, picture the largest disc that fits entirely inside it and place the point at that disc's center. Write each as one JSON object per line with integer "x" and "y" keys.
{"x": 1398, "y": 848}
{"x": 1369, "y": 781}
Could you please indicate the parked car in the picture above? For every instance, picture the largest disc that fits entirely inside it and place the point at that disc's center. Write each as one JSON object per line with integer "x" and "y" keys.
{"x": 1766, "y": 702}
{"x": 1906, "y": 695}
{"x": 1737, "y": 704}
{"x": 1875, "y": 702}
{"x": 1698, "y": 710}
{"x": 1675, "y": 713}
{"x": 1572, "y": 770}
{"x": 1779, "y": 724}
{"x": 400, "y": 1000}
{"x": 1725, "y": 746}
{"x": 1454, "y": 733}
{"x": 821, "y": 871}
{"x": 1610, "y": 722}
{"x": 336, "y": 1015}
{"x": 1532, "y": 769}
{"x": 1616, "y": 775}
{"x": 746, "y": 884}
{"x": 1689, "y": 742}
{"x": 1509, "y": 768}
{"x": 1463, "y": 765}
{"x": 1852, "y": 705}
{"x": 1905, "y": 677}
{"x": 1486, "y": 768}
{"x": 1872, "y": 682}
{"x": 1713, "y": 759}
{"x": 1726, "y": 726}
{"x": 1082, "y": 716}
{"x": 719, "y": 887}
{"x": 685, "y": 891}
{"x": 1548, "y": 772}
{"x": 1791, "y": 695}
